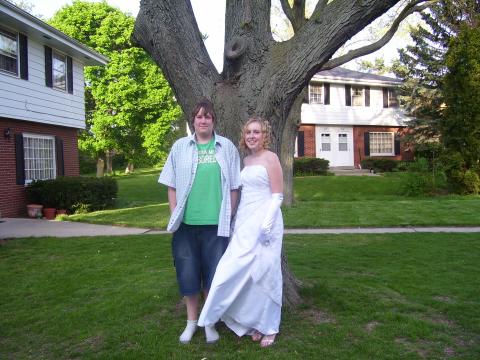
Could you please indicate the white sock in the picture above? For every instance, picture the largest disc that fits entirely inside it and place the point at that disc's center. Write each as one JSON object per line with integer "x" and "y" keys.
{"x": 211, "y": 334}
{"x": 188, "y": 332}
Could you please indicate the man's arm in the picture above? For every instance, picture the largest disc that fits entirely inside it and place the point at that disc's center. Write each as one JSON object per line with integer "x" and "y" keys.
{"x": 172, "y": 198}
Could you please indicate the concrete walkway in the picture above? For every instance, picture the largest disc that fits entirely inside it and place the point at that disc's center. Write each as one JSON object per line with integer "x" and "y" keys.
{"x": 22, "y": 228}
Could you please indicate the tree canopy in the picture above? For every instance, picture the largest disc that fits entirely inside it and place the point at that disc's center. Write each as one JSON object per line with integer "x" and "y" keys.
{"x": 130, "y": 107}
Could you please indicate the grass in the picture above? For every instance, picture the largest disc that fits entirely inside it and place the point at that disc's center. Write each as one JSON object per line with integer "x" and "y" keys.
{"x": 329, "y": 201}
{"x": 383, "y": 296}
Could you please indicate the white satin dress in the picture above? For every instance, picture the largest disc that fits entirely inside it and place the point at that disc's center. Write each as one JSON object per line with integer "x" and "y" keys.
{"x": 246, "y": 291}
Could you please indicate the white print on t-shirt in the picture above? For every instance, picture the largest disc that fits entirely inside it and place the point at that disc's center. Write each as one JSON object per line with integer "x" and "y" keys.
{"x": 206, "y": 156}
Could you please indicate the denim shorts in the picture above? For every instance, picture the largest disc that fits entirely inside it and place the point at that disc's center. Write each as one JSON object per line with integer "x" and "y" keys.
{"x": 197, "y": 249}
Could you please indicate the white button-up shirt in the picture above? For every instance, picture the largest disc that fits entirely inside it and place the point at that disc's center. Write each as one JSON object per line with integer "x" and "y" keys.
{"x": 179, "y": 173}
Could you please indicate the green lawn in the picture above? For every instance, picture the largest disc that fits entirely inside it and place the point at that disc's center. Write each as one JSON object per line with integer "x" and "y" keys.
{"x": 392, "y": 296}
{"x": 327, "y": 201}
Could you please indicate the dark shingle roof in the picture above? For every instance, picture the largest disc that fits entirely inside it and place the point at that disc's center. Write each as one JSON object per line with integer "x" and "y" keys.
{"x": 343, "y": 73}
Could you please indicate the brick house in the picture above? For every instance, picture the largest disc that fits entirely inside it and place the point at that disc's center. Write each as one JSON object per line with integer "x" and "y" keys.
{"x": 42, "y": 103}
{"x": 350, "y": 115}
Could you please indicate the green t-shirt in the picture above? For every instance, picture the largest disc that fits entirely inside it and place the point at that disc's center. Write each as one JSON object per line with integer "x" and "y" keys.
{"x": 205, "y": 198}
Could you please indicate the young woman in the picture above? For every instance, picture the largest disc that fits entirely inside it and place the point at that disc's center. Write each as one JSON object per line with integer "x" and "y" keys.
{"x": 246, "y": 291}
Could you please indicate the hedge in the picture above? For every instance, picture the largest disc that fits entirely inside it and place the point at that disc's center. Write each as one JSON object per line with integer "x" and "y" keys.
{"x": 379, "y": 164}
{"x": 306, "y": 166}
{"x": 73, "y": 193}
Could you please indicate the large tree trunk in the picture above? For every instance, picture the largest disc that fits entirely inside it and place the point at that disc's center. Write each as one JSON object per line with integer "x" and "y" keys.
{"x": 288, "y": 147}
{"x": 260, "y": 76}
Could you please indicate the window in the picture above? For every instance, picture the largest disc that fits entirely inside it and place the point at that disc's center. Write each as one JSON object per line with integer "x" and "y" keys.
{"x": 382, "y": 143}
{"x": 39, "y": 155}
{"x": 315, "y": 94}
{"x": 357, "y": 96}
{"x": 59, "y": 71}
{"x": 392, "y": 98}
{"x": 8, "y": 52}
{"x": 342, "y": 142}
{"x": 326, "y": 146}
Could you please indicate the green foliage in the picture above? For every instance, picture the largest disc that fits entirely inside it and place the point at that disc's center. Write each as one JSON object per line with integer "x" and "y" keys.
{"x": 461, "y": 122}
{"x": 422, "y": 65}
{"x": 420, "y": 179}
{"x": 379, "y": 164}
{"x": 130, "y": 107}
{"x": 309, "y": 166}
{"x": 74, "y": 192}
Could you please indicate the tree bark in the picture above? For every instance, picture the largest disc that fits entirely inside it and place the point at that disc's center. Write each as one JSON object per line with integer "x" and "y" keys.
{"x": 100, "y": 167}
{"x": 260, "y": 76}
{"x": 108, "y": 161}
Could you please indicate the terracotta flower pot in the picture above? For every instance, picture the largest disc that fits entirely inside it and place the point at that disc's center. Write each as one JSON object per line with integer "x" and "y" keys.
{"x": 49, "y": 213}
{"x": 34, "y": 210}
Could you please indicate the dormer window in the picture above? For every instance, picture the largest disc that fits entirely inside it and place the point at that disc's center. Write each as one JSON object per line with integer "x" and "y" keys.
{"x": 8, "y": 52}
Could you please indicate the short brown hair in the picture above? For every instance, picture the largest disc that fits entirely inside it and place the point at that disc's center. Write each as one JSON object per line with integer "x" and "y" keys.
{"x": 207, "y": 107}
{"x": 266, "y": 130}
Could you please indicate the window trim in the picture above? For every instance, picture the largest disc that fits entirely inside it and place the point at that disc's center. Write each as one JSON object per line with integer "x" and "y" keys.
{"x": 392, "y": 94}
{"x": 64, "y": 56}
{"x": 361, "y": 97}
{"x": 343, "y": 135}
{"x": 320, "y": 95}
{"x": 325, "y": 135}
{"x": 54, "y": 155}
{"x": 371, "y": 143}
{"x": 17, "y": 62}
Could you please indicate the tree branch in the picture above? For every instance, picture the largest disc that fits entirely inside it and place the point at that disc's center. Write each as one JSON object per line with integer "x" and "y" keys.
{"x": 368, "y": 49}
{"x": 167, "y": 30}
{"x": 295, "y": 14}
{"x": 319, "y": 8}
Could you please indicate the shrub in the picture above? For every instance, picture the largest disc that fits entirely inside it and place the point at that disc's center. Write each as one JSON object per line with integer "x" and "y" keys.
{"x": 460, "y": 178}
{"x": 379, "y": 164}
{"x": 421, "y": 179}
{"x": 308, "y": 166}
{"x": 471, "y": 182}
{"x": 74, "y": 193}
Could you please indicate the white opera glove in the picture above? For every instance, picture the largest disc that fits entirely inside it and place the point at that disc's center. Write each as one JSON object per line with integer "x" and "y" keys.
{"x": 267, "y": 224}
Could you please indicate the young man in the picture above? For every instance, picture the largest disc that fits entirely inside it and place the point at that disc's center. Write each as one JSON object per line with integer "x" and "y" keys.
{"x": 202, "y": 173}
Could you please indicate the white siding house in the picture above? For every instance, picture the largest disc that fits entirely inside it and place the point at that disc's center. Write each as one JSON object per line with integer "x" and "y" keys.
{"x": 344, "y": 105}
{"x": 42, "y": 103}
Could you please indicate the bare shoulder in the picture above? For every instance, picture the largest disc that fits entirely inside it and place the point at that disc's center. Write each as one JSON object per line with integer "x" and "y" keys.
{"x": 271, "y": 157}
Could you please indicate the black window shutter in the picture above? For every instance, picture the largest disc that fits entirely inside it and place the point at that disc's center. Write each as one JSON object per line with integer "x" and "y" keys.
{"x": 301, "y": 143}
{"x": 19, "y": 159}
{"x": 385, "y": 97}
{"x": 367, "y": 95}
{"x": 23, "y": 42}
{"x": 69, "y": 75}
{"x": 59, "y": 156}
{"x": 326, "y": 95}
{"x": 48, "y": 66}
{"x": 348, "y": 95}
{"x": 305, "y": 92}
{"x": 397, "y": 144}
{"x": 366, "y": 143}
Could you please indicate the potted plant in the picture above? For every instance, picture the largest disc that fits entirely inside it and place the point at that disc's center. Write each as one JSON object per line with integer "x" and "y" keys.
{"x": 34, "y": 211}
{"x": 34, "y": 199}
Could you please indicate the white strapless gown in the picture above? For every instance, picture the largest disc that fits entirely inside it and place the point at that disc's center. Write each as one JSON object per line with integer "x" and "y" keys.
{"x": 246, "y": 291}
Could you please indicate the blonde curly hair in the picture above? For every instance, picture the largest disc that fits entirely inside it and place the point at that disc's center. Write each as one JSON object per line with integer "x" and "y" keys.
{"x": 266, "y": 130}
